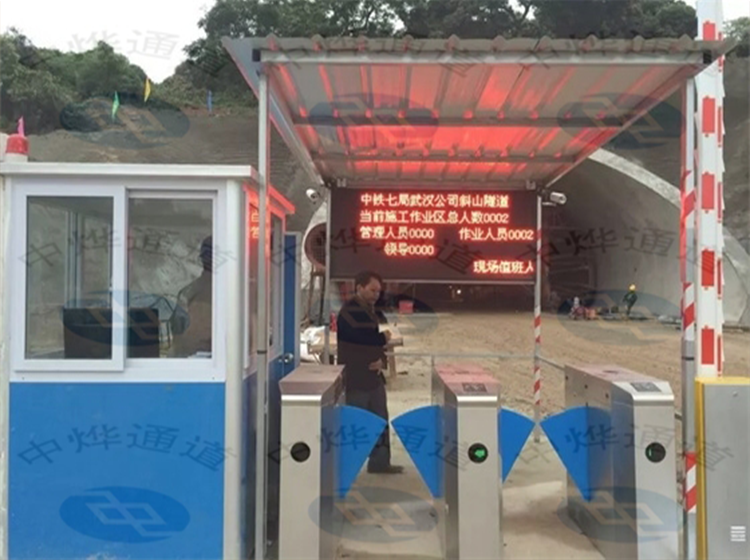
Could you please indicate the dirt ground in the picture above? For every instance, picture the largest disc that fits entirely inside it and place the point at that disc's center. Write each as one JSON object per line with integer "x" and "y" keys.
{"x": 644, "y": 346}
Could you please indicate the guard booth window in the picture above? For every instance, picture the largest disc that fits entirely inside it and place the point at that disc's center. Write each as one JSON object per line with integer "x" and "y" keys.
{"x": 68, "y": 261}
{"x": 172, "y": 261}
{"x": 69, "y": 278}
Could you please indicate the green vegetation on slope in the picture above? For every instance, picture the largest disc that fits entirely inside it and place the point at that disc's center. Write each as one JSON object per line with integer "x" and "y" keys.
{"x": 49, "y": 87}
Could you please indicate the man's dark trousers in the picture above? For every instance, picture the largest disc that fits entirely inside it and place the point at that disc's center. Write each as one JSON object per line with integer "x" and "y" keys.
{"x": 375, "y": 401}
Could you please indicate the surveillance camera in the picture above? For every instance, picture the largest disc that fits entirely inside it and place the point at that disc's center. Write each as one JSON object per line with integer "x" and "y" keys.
{"x": 558, "y": 198}
{"x": 313, "y": 195}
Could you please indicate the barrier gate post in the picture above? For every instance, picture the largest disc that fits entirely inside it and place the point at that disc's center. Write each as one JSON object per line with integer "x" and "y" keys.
{"x": 628, "y": 503}
{"x": 469, "y": 400}
{"x": 309, "y": 395}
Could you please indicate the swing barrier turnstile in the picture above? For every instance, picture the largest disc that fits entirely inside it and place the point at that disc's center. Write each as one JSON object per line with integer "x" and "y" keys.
{"x": 471, "y": 504}
{"x": 309, "y": 396}
{"x": 626, "y": 446}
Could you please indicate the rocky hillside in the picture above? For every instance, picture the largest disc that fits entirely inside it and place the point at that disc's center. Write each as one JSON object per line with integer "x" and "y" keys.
{"x": 199, "y": 138}
{"x": 202, "y": 139}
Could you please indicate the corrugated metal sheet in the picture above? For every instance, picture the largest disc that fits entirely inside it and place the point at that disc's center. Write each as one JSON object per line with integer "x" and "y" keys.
{"x": 456, "y": 45}
{"x": 471, "y": 114}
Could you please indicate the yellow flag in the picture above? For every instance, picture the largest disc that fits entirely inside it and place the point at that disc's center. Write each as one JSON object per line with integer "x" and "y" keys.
{"x": 147, "y": 90}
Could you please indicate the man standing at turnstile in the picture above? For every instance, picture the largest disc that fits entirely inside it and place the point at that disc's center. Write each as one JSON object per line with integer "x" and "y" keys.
{"x": 361, "y": 350}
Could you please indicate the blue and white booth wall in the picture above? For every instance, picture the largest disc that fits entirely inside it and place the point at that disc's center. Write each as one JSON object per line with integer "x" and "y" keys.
{"x": 120, "y": 470}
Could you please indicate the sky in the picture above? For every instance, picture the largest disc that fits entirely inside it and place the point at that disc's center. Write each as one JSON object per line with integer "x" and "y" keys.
{"x": 151, "y": 33}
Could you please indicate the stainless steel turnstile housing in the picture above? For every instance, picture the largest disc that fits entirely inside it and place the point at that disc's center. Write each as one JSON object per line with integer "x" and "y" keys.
{"x": 469, "y": 398}
{"x": 630, "y": 442}
{"x": 308, "y": 461}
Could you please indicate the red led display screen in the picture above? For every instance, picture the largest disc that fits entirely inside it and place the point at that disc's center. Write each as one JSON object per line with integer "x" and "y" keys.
{"x": 448, "y": 236}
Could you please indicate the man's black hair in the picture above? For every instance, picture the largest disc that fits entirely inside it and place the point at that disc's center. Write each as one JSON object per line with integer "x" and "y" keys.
{"x": 206, "y": 253}
{"x": 364, "y": 277}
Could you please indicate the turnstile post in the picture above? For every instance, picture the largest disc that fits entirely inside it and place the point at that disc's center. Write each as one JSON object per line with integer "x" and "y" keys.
{"x": 309, "y": 395}
{"x": 469, "y": 398}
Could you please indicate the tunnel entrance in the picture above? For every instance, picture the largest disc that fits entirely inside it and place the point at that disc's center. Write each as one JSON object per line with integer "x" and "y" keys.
{"x": 566, "y": 270}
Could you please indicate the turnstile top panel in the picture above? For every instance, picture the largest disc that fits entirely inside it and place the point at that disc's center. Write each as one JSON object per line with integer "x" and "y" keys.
{"x": 311, "y": 382}
{"x": 468, "y": 383}
{"x": 630, "y": 384}
{"x": 461, "y": 369}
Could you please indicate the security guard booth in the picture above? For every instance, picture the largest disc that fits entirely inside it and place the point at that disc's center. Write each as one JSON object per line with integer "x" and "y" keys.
{"x": 134, "y": 328}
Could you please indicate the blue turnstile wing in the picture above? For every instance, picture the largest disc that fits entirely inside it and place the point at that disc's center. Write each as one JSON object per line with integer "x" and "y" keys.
{"x": 358, "y": 432}
{"x": 513, "y": 431}
{"x": 564, "y": 430}
{"x": 419, "y": 431}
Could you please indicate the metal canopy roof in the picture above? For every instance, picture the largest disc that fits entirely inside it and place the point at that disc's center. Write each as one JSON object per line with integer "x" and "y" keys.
{"x": 400, "y": 112}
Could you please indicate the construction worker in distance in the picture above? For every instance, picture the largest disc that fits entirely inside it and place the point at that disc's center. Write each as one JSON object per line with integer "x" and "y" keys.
{"x": 630, "y": 298}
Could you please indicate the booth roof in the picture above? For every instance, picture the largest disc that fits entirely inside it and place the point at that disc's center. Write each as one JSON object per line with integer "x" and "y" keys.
{"x": 478, "y": 112}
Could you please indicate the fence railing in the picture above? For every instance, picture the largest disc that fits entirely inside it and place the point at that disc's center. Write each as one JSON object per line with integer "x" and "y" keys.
{"x": 484, "y": 356}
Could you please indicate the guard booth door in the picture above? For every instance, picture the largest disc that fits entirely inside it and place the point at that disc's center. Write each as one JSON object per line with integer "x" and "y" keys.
{"x": 283, "y": 312}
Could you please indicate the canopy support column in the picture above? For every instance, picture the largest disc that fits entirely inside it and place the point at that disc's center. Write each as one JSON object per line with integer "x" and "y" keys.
{"x": 687, "y": 273}
{"x": 234, "y": 228}
{"x": 538, "y": 322}
{"x": 264, "y": 159}
{"x": 326, "y": 292}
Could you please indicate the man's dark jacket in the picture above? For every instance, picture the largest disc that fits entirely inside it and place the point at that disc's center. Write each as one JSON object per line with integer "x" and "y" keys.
{"x": 359, "y": 343}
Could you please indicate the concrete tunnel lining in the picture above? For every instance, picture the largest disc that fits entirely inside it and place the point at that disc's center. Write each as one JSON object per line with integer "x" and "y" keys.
{"x": 608, "y": 191}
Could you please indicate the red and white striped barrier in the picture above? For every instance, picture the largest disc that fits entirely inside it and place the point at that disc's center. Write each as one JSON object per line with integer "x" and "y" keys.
{"x": 691, "y": 490}
{"x": 538, "y": 322}
{"x": 709, "y": 314}
{"x": 701, "y": 247}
